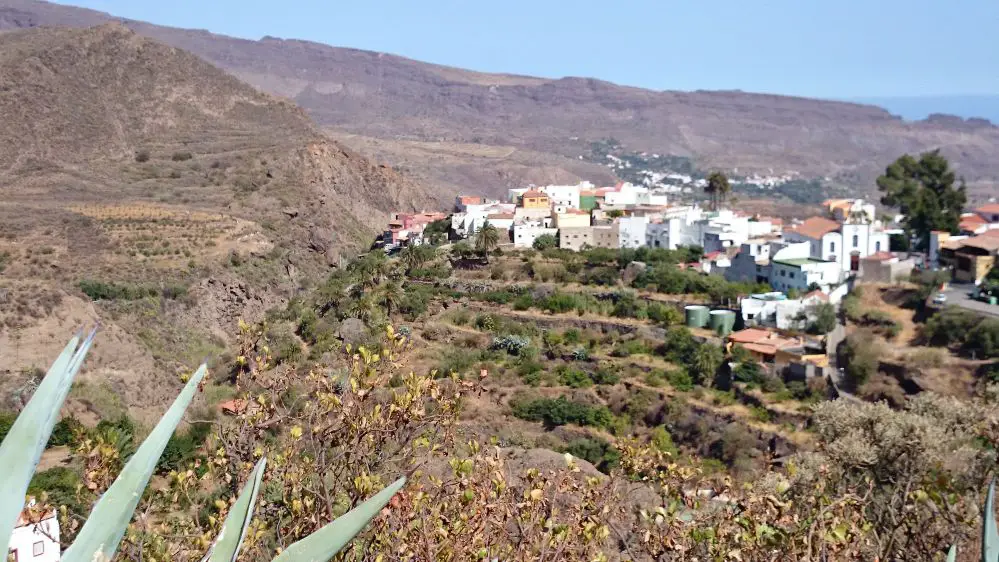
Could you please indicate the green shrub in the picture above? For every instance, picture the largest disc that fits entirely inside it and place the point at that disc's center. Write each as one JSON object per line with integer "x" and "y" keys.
{"x": 6, "y": 421}
{"x": 573, "y": 377}
{"x": 629, "y": 348}
{"x": 560, "y": 303}
{"x": 749, "y": 372}
{"x": 523, "y": 302}
{"x": 561, "y": 411}
{"x": 680, "y": 380}
{"x": 183, "y": 447}
{"x": 862, "y": 356}
{"x": 181, "y": 156}
{"x": 572, "y": 336}
{"x": 99, "y": 290}
{"x": 60, "y": 484}
{"x": 604, "y": 376}
{"x": 66, "y": 432}
{"x": 662, "y": 440}
{"x": 596, "y": 451}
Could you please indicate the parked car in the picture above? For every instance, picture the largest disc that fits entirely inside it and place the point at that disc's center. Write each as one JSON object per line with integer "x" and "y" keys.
{"x": 940, "y": 298}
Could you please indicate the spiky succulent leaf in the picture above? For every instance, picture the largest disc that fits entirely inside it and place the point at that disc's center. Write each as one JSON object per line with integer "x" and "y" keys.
{"x": 23, "y": 446}
{"x": 990, "y": 535}
{"x": 226, "y": 547}
{"x": 101, "y": 534}
{"x": 952, "y": 554}
{"x": 323, "y": 545}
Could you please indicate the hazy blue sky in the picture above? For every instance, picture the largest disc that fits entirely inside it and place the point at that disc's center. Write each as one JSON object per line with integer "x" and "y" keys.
{"x": 824, "y": 48}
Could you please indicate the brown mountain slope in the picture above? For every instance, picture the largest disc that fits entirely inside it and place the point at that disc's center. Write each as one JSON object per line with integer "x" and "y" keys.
{"x": 390, "y": 97}
{"x": 176, "y": 196}
{"x": 84, "y": 102}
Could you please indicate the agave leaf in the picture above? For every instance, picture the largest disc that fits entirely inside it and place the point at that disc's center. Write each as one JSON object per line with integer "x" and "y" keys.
{"x": 990, "y": 536}
{"x": 323, "y": 545}
{"x": 25, "y": 442}
{"x": 230, "y": 538}
{"x": 101, "y": 534}
{"x": 952, "y": 553}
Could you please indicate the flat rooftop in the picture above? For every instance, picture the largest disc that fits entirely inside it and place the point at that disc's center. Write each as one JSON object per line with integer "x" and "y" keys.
{"x": 797, "y": 262}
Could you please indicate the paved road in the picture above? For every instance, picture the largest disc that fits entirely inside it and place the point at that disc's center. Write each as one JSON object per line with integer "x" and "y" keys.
{"x": 959, "y": 294}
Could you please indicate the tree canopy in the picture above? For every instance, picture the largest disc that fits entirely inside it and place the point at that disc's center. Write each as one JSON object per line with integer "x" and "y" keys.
{"x": 923, "y": 190}
{"x": 718, "y": 189}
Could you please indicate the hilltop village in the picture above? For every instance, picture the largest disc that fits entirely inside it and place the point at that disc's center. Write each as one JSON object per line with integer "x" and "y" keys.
{"x": 818, "y": 257}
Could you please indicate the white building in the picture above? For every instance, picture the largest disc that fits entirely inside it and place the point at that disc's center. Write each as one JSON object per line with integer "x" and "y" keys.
{"x": 843, "y": 243}
{"x": 800, "y": 274}
{"x": 524, "y": 235}
{"x": 725, "y": 229}
{"x": 631, "y": 231}
{"x": 623, "y": 195}
{"x": 565, "y": 196}
{"x": 469, "y": 222}
{"x": 652, "y": 198}
{"x": 35, "y": 542}
{"x": 678, "y": 228}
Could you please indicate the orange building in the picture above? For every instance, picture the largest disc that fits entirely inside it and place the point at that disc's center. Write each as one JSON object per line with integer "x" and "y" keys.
{"x": 535, "y": 200}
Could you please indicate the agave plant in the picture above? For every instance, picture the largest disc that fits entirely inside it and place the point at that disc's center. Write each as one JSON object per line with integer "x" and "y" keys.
{"x": 990, "y": 533}
{"x": 101, "y": 534}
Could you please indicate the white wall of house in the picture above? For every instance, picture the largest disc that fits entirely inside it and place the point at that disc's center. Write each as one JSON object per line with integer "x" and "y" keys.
{"x": 651, "y": 198}
{"x": 565, "y": 196}
{"x": 627, "y": 195}
{"x": 861, "y": 239}
{"x": 759, "y": 228}
{"x": 34, "y": 543}
{"x": 799, "y": 275}
{"x": 679, "y": 228}
{"x": 631, "y": 231}
{"x": 524, "y": 235}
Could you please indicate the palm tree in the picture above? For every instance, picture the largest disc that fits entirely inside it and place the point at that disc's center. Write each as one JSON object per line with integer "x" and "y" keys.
{"x": 390, "y": 294}
{"x": 487, "y": 239}
{"x": 415, "y": 257}
{"x": 332, "y": 295}
{"x": 362, "y": 308}
{"x": 717, "y": 189}
{"x": 370, "y": 269}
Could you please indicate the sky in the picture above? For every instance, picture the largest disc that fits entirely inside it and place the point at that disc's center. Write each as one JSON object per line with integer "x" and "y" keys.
{"x": 841, "y": 49}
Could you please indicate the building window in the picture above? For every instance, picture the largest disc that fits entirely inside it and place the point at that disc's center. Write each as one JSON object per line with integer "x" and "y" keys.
{"x": 783, "y": 273}
{"x": 856, "y": 240}
{"x": 877, "y": 246}
{"x": 791, "y": 275}
{"x": 832, "y": 246}
{"x": 38, "y": 549}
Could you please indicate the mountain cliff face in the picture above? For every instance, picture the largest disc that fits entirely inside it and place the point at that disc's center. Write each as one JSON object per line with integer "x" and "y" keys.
{"x": 375, "y": 95}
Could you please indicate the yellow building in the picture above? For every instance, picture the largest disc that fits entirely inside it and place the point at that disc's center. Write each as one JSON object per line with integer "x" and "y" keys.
{"x": 535, "y": 200}
{"x": 572, "y": 218}
{"x": 971, "y": 258}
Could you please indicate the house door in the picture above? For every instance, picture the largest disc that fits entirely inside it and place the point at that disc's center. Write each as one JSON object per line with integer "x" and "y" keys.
{"x": 854, "y": 261}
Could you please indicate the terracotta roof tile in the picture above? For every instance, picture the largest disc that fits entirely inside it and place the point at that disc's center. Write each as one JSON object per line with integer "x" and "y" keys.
{"x": 991, "y": 208}
{"x": 816, "y": 227}
{"x": 534, "y": 193}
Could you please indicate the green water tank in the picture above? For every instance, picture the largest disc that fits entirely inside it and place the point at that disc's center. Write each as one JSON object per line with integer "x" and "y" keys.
{"x": 722, "y": 322}
{"x": 697, "y": 316}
